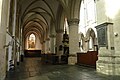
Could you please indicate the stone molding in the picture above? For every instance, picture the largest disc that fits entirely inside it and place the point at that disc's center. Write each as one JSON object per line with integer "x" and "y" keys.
{"x": 73, "y": 22}
{"x": 103, "y": 24}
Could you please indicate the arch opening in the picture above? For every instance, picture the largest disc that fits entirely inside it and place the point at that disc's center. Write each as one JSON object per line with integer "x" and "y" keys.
{"x": 31, "y": 42}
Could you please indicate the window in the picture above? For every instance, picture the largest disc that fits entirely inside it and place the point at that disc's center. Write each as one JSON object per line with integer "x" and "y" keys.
{"x": 91, "y": 43}
{"x": 66, "y": 26}
{"x": 87, "y": 16}
{"x": 31, "y": 41}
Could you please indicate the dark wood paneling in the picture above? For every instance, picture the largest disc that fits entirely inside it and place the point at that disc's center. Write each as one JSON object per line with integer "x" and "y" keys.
{"x": 88, "y": 58}
{"x": 32, "y": 53}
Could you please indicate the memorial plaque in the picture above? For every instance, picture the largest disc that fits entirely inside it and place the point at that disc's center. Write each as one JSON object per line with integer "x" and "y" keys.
{"x": 102, "y": 34}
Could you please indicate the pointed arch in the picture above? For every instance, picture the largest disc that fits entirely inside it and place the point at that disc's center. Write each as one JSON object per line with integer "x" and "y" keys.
{"x": 91, "y": 37}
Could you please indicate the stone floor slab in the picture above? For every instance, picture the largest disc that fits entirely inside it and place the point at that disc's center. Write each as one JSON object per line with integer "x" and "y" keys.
{"x": 32, "y": 69}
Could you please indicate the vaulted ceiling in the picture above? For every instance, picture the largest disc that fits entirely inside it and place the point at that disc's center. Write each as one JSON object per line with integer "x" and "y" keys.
{"x": 44, "y": 16}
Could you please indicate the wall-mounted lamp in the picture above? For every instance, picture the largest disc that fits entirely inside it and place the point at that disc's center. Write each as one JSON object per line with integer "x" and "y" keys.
{"x": 116, "y": 34}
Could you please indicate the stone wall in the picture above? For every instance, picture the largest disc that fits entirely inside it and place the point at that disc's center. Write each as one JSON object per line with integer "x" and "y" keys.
{"x": 4, "y": 7}
{"x": 109, "y": 56}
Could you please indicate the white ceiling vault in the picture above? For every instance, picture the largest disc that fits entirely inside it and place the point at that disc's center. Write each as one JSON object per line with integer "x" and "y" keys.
{"x": 45, "y": 17}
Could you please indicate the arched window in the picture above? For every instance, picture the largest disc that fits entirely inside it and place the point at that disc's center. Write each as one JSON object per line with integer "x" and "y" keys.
{"x": 66, "y": 26}
{"x": 87, "y": 16}
{"x": 81, "y": 45}
{"x": 31, "y": 42}
{"x": 91, "y": 44}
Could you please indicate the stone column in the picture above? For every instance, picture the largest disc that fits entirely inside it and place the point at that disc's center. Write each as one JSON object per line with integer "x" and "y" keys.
{"x": 4, "y": 14}
{"x": 14, "y": 51}
{"x": 14, "y": 18}
{"x": 13, "y": 33}
{"x": 21, "y": 53}
{"x": 9, "y": 56}
{"x": 43, "y": 47}
{"x": 27, "y": 43}
{"x": 47, "y": 45}
{"x": 18, "y": 55}
{"x": 18, "y": 51}
{"x": 52, "y": 44}
{"x": 37, "y": 43}
{"x": 59, "y": 38}
{"x": 73, "y": 41}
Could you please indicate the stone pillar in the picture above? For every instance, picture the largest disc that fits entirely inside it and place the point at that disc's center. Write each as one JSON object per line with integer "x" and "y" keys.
{"x": 47, "y": 45}
{"x": 18, "y": 55}
{"x": 107, "y": 60}
{"x": 4, "y": 19}
{"x": 13, "y": 33}
{"x": 37, "y": 43}
{"x": 14, "y": 18}
{"x": 9, "y": 55}
{"x": 52, "y": 44}
{"x": 18, "y": 51}
{"x": 59, "y": 44}
{"x": 43, "y": 47}
{"x": 21, "y": 54}
{"x": 27, "y": 43}
{"x": 73, "y": 41}
{"x": 14, "y": 50}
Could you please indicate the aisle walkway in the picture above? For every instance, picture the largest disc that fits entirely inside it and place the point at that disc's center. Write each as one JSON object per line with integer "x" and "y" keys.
{"x": 32, "y": 69}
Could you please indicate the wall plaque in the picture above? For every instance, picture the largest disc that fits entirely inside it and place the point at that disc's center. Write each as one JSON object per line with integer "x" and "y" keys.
{"x": 102, "y": 34}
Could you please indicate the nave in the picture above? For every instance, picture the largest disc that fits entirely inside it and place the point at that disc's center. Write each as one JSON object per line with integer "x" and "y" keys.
{"x": 32, "y": 69}
{"x": 63, "y": 31}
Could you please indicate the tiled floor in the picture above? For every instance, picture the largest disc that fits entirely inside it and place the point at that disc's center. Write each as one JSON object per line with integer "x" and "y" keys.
{"x": 32, "y": 69}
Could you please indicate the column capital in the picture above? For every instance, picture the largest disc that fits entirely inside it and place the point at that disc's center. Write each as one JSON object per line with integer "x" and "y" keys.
{"x": 73, "y": 22}
{"x": 60, "y": 31}
{"x": 52, "y": 36}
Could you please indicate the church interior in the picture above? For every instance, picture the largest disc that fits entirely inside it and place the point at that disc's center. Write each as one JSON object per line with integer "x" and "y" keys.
{"x": 59, "y": 40}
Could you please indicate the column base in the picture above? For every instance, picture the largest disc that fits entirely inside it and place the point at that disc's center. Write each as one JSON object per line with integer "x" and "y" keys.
{"x": 72, "y": 59}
